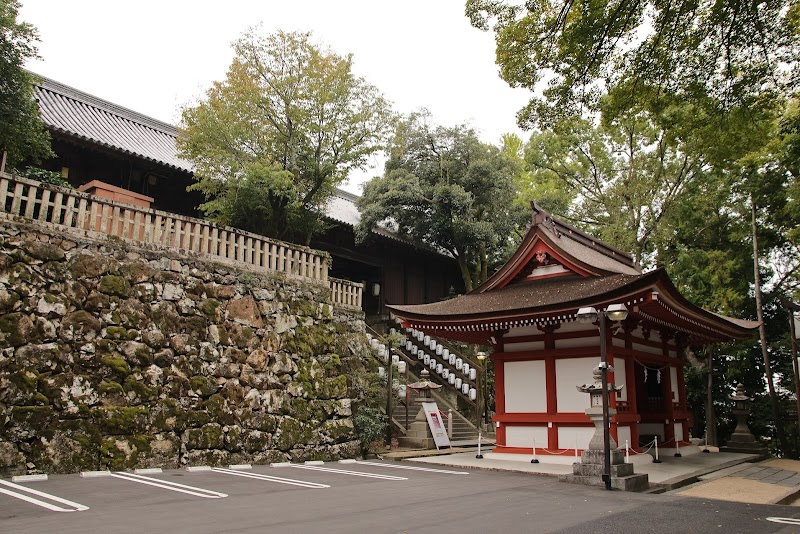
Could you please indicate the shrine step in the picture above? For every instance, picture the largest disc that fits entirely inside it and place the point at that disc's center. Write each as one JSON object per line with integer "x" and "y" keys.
{"x": 628, "y": 483}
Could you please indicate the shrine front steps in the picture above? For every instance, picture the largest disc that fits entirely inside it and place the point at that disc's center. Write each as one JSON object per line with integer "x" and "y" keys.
{"x": 590, "y": 472}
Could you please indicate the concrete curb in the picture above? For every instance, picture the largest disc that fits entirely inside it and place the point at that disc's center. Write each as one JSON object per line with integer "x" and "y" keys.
{"x": 95, "y": 474}
{"x": 198, "y": 468}
{"x": 28, "y": 478}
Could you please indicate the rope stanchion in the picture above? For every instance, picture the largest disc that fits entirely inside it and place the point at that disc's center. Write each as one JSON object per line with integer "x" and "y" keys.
{"x": 576, "y": 450}
{"x": 677, "y": 449}
{"x": 534, "y": 461}
{"x": 656, "y": 461}
{"x": 705, "y": 447}
{"x": 479, "y": 456}
{"x": 627, "y": 453}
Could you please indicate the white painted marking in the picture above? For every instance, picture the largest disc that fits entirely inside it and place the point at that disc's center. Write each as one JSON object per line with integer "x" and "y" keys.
{"x": 173, "y": 486}
{"x": 414, "y": 468}
{"x": 269, "y": 478}
{"x": 95, "y": 474}
{"x": 148, "y": 471}
{"x": 240, "y": 466}
{"x": 314, "y": 462}
{"x": 348, "y": 461}
{"x": 280, "y": 464}
{"x": 785, "y": 520}
{"x": 196, "y": 468}
{"x": 77, "y": 507}
{"x": 28, "y": 478}
{"x": 345, "y": 472}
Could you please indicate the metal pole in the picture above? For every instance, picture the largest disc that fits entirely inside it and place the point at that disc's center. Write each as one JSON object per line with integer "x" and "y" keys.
{"x": 389, "y": 399}
{"x": 606, "y": 422}
{"x": 486, "y": 392}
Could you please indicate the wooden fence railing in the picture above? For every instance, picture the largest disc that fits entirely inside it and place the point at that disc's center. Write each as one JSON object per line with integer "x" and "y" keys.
{"x": 346, "y": 294}
{"x": 66, "y": 208}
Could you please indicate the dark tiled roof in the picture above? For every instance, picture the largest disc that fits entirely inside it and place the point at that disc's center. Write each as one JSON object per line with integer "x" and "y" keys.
{"x": 80, "y": 115}
{"x": 532, "y": 296}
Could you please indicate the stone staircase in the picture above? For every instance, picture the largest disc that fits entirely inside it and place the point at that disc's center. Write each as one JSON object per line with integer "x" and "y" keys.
{"x": 447, "y": 368}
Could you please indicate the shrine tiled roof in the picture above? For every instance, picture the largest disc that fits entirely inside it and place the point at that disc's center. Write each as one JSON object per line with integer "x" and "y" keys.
{"x": 534, "y": 296}
{"x": 73, "y": 113}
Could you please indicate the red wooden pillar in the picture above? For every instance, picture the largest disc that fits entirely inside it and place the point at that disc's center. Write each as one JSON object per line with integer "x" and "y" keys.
{"x": 550, "y": 384}
{"x": 666, "y": 389}
{"x": 499, "y": 399}
{"x": 630, "y": 380}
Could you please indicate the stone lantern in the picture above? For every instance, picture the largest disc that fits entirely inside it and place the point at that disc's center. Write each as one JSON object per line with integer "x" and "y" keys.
{"x": 418, "y": 433}
{"x": 592, "y": 469}
{"x": 742, "y": 439}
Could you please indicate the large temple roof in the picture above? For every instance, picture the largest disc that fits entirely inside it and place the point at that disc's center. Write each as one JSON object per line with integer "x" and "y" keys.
{"x": 556, "y": 270}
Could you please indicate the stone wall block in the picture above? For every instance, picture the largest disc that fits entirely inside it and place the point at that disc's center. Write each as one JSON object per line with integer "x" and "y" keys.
{"x": 119, "y": 357}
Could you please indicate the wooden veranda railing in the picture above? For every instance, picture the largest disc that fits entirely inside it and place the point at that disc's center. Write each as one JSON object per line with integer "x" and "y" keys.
{"x": 75, "y": 211}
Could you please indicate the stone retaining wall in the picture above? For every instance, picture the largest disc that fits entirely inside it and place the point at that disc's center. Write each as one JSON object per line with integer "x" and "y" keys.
{"x": 114, "y": 357}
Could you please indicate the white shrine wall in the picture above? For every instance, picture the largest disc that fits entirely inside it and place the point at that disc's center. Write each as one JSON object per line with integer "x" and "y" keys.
{"x": 524, "y": 436}
{"x": 525, "y": 387}
{"x": 570, "y": 373}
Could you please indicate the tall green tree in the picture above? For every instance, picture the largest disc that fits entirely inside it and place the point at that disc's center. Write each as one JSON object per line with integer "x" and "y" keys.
{"x": 735, "y": 51}
{"x": 442, "y": 186}
{"x": 272, "y": 141}
{"x": 23, "y": 136}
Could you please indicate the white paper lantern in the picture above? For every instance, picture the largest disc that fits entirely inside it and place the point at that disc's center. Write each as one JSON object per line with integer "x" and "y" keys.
{"x": 451, "y": 379}
{"x": 473, "y": 374}
{"x": 473, "y": 394}
{"x": 409, "y": 344}
{"x": 373, "y": 343}
{"x": 414, "y": 350}
{"x": 392, "y": 331}
{"x": 439, "y": 368}
{"x": 395, "y": 359}
{"x": 432, "y": 365}
{"x": 439, "y": 349}
{"x": 459, "y": 363}
{"x": 381, "y": 372}
{"x": 446, "y": 374}
{"x": 420, "y": 355}
{"x": 401, "y": 367}
{"x": 446, "y": 354}
{"x": 465, "y": 369}
{"x": 464, "y": 388}
{"x": 458, "y": 383}
{"x": 426, "y": 341}
{"x": 420, "y": 335}
{"x": 426, "y": 358}
{"x": 452, "y": 359}
{"x": 401, "y": 391}
{"x": 369, "y": 336}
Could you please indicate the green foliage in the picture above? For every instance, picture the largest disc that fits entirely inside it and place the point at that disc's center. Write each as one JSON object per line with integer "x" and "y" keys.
{"x": 734, "y": 51}
{"x": 270, "y": 142}
{"x": 45, "y": 176}
{"x": 22, "y": 134}
{"x": 368, "y": 392}
{"x": 445, "y": 188}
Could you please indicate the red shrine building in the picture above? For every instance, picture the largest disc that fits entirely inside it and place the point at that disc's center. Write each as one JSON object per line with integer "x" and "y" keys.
{"x": 527, "y": 312}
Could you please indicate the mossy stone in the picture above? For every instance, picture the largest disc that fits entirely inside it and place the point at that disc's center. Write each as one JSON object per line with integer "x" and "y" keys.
{"x": 17, "y": 329}
{"x": 121, "y": 420}
{"x": 117, "y": 364}
{"x": 114, "y": 285}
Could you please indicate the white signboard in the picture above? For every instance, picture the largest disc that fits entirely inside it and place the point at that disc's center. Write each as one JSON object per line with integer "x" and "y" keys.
{"x": 438, "y": 429}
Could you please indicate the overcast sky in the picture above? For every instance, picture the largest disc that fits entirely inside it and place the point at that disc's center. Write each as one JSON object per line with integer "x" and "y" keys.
{"x": 154, "y": 56}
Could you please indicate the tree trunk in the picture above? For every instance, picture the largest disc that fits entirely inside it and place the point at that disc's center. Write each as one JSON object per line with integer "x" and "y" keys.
{"x": 711, "y": 419}
{"x": 762, "y": 333}
{"x": 465, "y": 274}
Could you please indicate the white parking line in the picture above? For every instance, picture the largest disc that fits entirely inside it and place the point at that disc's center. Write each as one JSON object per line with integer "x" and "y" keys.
{"x": 414, "y": 468}
{"x": 345, "y": 472}
{"x": 173, "y": 486}
{"x": 268, "y": 478}
{"x": 77, "y": 507}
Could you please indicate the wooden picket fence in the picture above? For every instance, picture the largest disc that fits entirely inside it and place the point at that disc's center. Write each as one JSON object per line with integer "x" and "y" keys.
{"x": 85, "y": 213}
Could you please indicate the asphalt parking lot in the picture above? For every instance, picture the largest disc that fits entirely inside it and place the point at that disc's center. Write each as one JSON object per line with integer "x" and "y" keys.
{"x": 355, "y": 497}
